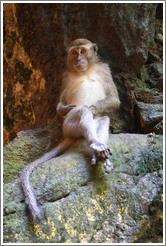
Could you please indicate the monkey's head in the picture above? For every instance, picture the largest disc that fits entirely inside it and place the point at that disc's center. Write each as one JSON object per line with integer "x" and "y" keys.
{"x": 81, "y": 54}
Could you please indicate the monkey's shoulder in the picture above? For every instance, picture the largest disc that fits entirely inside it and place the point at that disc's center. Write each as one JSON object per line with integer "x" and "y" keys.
{"x": 103, "y": 68}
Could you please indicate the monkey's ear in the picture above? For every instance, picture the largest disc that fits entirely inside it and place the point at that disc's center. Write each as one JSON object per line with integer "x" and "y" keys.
{"x": 95, "y": 47}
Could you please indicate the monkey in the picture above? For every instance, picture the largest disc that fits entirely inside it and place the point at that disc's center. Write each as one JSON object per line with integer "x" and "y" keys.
{"x": 87, "y": 90}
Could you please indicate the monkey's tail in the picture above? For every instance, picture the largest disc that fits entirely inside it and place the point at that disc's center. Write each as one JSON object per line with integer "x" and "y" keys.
{"x": 30, "y": 198}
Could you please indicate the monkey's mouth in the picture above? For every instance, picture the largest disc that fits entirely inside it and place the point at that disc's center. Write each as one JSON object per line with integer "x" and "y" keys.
{"x": 80, "y": 66}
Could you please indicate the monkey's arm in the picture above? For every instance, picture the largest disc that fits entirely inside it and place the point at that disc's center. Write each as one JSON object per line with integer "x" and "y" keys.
{"x": 63, "y": 108}
{"x": 110, "y": 101}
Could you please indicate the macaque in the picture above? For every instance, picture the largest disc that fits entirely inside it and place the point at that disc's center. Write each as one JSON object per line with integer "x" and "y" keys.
{"x": 87, "y": 90}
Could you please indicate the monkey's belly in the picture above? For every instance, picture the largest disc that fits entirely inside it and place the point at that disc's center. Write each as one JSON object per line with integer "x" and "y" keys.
{"x": 88, "y": 93}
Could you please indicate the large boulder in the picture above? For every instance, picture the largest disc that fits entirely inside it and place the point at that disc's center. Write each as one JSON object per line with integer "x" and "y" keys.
{"x": 81, "y": 203}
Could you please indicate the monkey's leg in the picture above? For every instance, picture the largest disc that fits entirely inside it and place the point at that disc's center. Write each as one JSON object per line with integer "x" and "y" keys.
{"x": 96, "y": 139}
{"x": 79, "y": 123}
{"x": 102, "y": 130}
{"x": 101, "y": 152}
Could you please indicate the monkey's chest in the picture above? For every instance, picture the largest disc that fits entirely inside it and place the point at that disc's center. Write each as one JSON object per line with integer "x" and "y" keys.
{"x": 88, "y": 92}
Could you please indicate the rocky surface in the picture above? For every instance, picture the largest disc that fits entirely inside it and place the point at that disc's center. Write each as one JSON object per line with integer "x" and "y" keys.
{"x": 81, "y": 203}
{"x": 150, "y": 114}
{"x": 35, "y": 40}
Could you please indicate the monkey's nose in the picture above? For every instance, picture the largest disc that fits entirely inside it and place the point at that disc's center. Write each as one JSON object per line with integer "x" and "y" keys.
{"x": 78, "y": 58}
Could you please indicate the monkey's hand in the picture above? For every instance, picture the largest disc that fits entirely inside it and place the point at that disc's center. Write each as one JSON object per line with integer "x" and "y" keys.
{"x": 93, "y": 108}
{"x": 65, "y": 109}
{"x": 100, "y": 151}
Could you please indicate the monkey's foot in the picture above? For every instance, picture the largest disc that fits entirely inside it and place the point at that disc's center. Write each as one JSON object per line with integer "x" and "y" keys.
{"x": 100, "y": 151}
{"x": 108, "y": 166}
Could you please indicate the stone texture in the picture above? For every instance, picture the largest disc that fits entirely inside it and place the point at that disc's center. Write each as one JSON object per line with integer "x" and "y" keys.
{"x": 24, "y": 86}
{"x": 150, "y": 115}
{"x": 83, "y": 204}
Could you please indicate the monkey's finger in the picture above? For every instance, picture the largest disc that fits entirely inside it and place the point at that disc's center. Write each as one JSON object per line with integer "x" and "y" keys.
{"x": 105, "y": 152}
{"x": 110, "y": 151}
{"x": 101, "y": 156}
{"x": 104, "y": 155}
{"x": 96, "y": 154}
{"x": 94, "y": 160}
{"x": 71, "y": 105}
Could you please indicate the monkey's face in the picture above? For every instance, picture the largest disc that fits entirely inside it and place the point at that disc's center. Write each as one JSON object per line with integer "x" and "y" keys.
{"x": 78, "y": 57}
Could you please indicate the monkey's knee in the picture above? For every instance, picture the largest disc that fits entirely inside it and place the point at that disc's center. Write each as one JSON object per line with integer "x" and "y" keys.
{"x": 105, "y": 120}
{"x": 71, "y": 128}
{"x": 71, "y": 131}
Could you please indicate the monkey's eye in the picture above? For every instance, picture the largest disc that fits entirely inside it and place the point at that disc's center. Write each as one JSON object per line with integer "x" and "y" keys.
{"x": 83, "y": 51}
{"x": 74, "y": 52}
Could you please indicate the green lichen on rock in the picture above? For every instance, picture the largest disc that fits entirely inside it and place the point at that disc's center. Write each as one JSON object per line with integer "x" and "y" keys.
{"x": 26, "y": 147}
{"x": 151, "y": 161}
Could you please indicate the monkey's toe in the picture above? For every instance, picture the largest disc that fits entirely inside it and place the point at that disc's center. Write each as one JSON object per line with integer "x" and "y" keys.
{"x": 110, "y": 151}
{"x": 94, "y": 160}
{"x": 108, "y": 166}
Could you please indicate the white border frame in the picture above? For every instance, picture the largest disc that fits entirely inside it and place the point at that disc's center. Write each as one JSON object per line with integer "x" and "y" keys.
{"x": 2, "y": 119}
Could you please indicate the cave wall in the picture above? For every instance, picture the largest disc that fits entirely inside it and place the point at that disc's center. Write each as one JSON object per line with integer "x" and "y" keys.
{"x": 36, "y": 36}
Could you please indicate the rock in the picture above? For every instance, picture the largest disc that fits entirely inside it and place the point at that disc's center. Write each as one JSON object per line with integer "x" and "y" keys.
{"x": 24, "y": 85}
{"x": 83, "y": 204}
{"x": 153, "y": 57}
{"x": 34, "y": 142}
{"x": 150, "y": 116}
{"x": 158, "y": 129}
{"x": 14, "y": 158}
{"x": 160, "y": 84}
{"x": 149, "y": 96}
{"x": 152, "y": 75}
{"x": 155, "y": 73}
{"x": 159, "y": 11}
